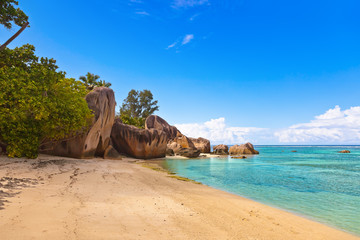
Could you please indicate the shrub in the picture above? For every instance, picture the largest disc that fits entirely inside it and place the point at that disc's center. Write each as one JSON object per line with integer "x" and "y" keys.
{"x": 37, "y": 102}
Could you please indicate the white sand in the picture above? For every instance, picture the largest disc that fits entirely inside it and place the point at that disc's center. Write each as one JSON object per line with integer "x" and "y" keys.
{"x": 102, "y": 199}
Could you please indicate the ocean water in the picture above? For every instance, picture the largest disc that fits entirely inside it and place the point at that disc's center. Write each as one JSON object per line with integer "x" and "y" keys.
{"x": 316, "y": 181}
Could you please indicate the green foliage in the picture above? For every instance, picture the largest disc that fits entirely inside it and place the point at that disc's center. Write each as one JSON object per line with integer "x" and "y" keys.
{"x": 137, "y": 107}
{"x": 91, "y": 81}
{"x": 37, "y": 102}
{"x": 9, "y": 14}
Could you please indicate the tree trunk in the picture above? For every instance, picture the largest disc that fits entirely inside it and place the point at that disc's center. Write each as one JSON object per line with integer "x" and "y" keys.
{"x": 2, "y": 47}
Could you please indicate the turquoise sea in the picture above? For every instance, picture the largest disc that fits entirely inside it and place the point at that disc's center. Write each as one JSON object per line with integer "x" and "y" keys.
{"x": 316, "y": 181}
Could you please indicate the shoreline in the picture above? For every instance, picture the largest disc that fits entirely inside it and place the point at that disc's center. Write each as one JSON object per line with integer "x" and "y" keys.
{"x": 96, "y": 199}
{"x": 158, "y": 162}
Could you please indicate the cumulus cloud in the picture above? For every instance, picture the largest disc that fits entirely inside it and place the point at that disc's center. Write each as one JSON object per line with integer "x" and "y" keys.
{"x": 217, "y": 131}
{"x": 188, "y": 3}
{"x": 335, "y": 126}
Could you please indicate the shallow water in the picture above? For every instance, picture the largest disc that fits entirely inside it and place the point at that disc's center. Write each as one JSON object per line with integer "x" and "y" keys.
{"x": 315, "y": 181}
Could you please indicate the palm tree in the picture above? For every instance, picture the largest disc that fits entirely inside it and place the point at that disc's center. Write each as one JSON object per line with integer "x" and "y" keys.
{"x": 91, "y": 81}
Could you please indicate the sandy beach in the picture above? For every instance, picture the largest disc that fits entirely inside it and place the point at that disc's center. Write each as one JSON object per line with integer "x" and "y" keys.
{"x": 62, "y": 198}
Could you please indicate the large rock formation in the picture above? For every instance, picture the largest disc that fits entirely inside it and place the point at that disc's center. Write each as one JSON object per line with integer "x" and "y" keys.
{"x": 95, "y": 141}
{"x": 175, "y": 147}
{"x": 202, "y": 144}
{"x": 221, "y": 149}
{"x": 246, "y": 148}
{"x": 183, "y": 146}
{"x": 183, "y": 141}
{"x": 177, "y": 142}
{"x": 156, "y": 122}
{"x": 138, "y": 143}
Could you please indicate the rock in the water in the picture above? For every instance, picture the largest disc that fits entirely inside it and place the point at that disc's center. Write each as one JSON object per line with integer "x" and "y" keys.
{"x": 189, "y": 152}
{"x": 94, "y": 142}
{"x": 138, "y": 143}
{"x": 111, "y": 153}
{"x": 202, "y": 144}
{"x": 246, "y": 148}
{"x": 238, "y": 157}
{"x": 169, "y": 152}
{"x": 156, "y": 122}
{"x": 293, "y": 151}
{"x": 344, "y": 151}
{"x": 221, "y": 149}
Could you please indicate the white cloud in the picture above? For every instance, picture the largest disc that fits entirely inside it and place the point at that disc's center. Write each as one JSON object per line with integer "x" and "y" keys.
{"x": 194, "y": 16}
{"x": 172, "y": 45}
{"x": 187, "y": 39}
{"x": 335, "y": 126}
{"x": 188, "y": 3}
{"x": 217, "y": 132}
{"x": 142, "y": 13}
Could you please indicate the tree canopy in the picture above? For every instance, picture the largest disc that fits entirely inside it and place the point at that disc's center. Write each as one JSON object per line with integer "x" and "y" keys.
{"x": 91, "y": 81}
{"x": 137, "y": 107}
{"x": 37, "y": 102}
{"x": 9, "y": 14}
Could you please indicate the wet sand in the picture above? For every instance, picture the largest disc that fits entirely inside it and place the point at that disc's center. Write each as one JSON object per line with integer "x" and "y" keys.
{"x": 62, "y": 198}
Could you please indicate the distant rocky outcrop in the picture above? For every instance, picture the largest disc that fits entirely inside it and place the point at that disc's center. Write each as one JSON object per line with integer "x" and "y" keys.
{"x": 344, "y": 151}
{"x": 138, "y": 143}
{"x": 246, "y": 148}
{"x": 96, "y": 140}
{"x": 158, "y": 123}
{"x": 221, "y": 149}
{"x": 202, "y": 144}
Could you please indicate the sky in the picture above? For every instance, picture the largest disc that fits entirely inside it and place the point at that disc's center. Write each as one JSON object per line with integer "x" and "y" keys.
{"x": 268, "y": 72}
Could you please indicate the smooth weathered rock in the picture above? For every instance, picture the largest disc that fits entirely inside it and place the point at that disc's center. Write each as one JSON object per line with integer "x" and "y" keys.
{"x": 169, "y": 152}
{"x": 202, "y": 144}
{"x": 138, "y": 143}
{"x": 246, "y": 148}
{"x": 189, "y": 152}
{"x": 175, "y": 147}
{"x": 111, "y": 153}
{"x": 94, "y": 142}
{"x": 183, "y": 141}
{"x": 221, "y": 149}
{"x": 344, "y": 151}
{"x": 158, "y": 123}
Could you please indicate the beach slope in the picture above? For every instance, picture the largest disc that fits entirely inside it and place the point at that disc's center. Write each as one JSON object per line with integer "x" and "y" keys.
{"x": 62, "y": 198}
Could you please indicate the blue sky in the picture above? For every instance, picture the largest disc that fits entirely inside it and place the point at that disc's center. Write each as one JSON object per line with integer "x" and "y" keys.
{"x": 261, "y": 71}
